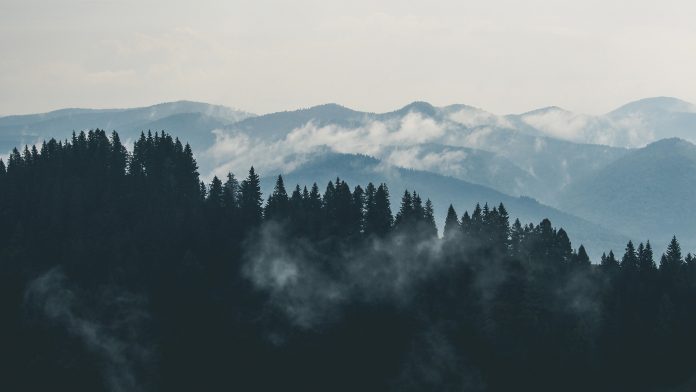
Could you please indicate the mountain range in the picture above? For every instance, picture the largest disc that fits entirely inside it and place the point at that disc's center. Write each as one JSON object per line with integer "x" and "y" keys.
{"x": 625, "y": 174}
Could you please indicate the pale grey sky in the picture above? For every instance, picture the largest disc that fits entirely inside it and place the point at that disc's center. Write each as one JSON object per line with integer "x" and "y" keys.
{"x": 263, "y": 56}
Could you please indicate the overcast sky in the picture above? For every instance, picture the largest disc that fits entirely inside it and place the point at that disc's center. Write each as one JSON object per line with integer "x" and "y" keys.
{"x": 502, "y": 55}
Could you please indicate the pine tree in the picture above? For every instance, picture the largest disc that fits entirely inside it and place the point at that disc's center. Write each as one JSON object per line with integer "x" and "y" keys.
{"x": 230, "y": 196}
{"x": 250, "y": 200}
{"x": 452, "y": 227}
{"x": 418, "y": 209}
{"x": 202, "y": 191}
{"x": 646, "y": 261}
{"x": 466, "y": 225}
{"x": 430, "y": 229}
{"x": 406, "y": 212}
{"x": 477, "y": 226}
{"x": 581, "y": 259}
{"x": 563, "y": 248}
{"x": 629, "y": 261}
{"x": 313, "y": 212}
{"x": 215, "y": 194}
{"x": 609, "y": 262}
{"x": 118, "y": 158}
{"x": 357, "y": 221}
{"x": 672, "y": 260}
{"x": 502, "y": 228}
{"x": 379, "y": 218}
{"x": 278, "y": 205}
{"x": 516, "y": 238}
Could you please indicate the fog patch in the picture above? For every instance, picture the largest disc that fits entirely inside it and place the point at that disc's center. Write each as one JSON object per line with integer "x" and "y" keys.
{"x": 111, "y": 327}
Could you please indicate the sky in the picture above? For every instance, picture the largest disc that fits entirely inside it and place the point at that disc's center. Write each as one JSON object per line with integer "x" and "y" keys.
{"x": 506, "y": 56}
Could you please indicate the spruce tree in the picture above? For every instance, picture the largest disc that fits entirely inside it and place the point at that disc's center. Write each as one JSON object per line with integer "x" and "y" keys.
{"x": 278, "y": 205}
{"x": 466, "y": 225}
{"x": 357, "y": 221}
{"x": 250, "y": 200}
{"x": 672, "y": 260}
{"x": 202, "y": 191}
{"x": 452, "y": 227}
{"x": 230, "y": 196}
{"x": 629, "y": 261}
{"x": 118, "y": 158}
{"x": 406, "y": 213}
{"x": 516, "y": 238}
{"x": 430, "y": 228}
{"x": 215, "y": 194}
{"x": 313, "y": 212}
{"x": 646, "y": 261}
{"x": 581, "y": 259}
{"x": 609, "y": 263}
{"x": 379, "y": 218}
{"x": 563, "y": 248}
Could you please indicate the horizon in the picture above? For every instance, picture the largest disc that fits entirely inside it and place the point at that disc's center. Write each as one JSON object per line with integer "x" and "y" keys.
{"x": 245, "y": 110}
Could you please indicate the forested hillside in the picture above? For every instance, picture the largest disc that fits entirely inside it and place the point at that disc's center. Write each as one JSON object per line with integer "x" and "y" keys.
{"x": 123, "y": 272}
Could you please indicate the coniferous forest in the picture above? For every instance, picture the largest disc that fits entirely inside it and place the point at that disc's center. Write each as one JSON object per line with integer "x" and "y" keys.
{"x": 122, "y": 271}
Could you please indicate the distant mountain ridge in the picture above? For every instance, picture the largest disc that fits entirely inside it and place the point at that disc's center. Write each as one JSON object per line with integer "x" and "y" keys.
{"x": 32, "y": 128}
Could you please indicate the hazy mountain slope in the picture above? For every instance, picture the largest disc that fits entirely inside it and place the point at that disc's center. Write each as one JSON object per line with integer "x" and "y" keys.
{"x": 664, "y": 117}
{"x": 632, "y": 125}
{"x": 551, "y": 162}
{"x": 276, "y": 125}
{"x": 29, "y": 129}
{"x": 649, "y": 193}
{"x": 442, "y": 190}
{"x": 469, "y": 164}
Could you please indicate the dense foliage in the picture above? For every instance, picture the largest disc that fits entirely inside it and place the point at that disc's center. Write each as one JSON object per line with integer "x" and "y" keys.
{"x": 122, "y": 271}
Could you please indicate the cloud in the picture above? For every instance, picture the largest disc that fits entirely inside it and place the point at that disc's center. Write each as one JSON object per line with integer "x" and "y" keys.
{"x": 309, "y": 287}
{"x": 235, "y": 151}
{"x": 558, "y": 123}
{"x": 444, "y": 161}
{"x": 472, "y": 118}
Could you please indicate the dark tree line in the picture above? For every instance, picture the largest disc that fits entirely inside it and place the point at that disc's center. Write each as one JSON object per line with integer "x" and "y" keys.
{"x": 123, "y": 271}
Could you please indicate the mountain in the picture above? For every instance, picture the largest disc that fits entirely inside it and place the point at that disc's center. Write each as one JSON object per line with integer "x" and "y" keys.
{"x": 442, "y": 190}
{"x": 30, "y": 129}
{"x": 632, "y": 125}
{"x": 276, "y": 125}
{"x": 457, "y": 140}
{"x": 648, "y": 193}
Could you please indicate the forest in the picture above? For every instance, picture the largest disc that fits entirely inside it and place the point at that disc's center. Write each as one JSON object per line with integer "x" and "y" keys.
{"x": 121, "y": 271}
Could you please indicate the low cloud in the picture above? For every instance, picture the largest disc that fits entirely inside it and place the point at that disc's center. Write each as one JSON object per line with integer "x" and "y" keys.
{"x": 309, "y": 288}
{"x": 235, "y": 151}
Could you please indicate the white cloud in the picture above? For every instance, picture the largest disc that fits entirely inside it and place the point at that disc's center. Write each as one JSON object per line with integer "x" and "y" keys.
{"x": 236, "y": 151}
{"x": 558, "y": 123}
